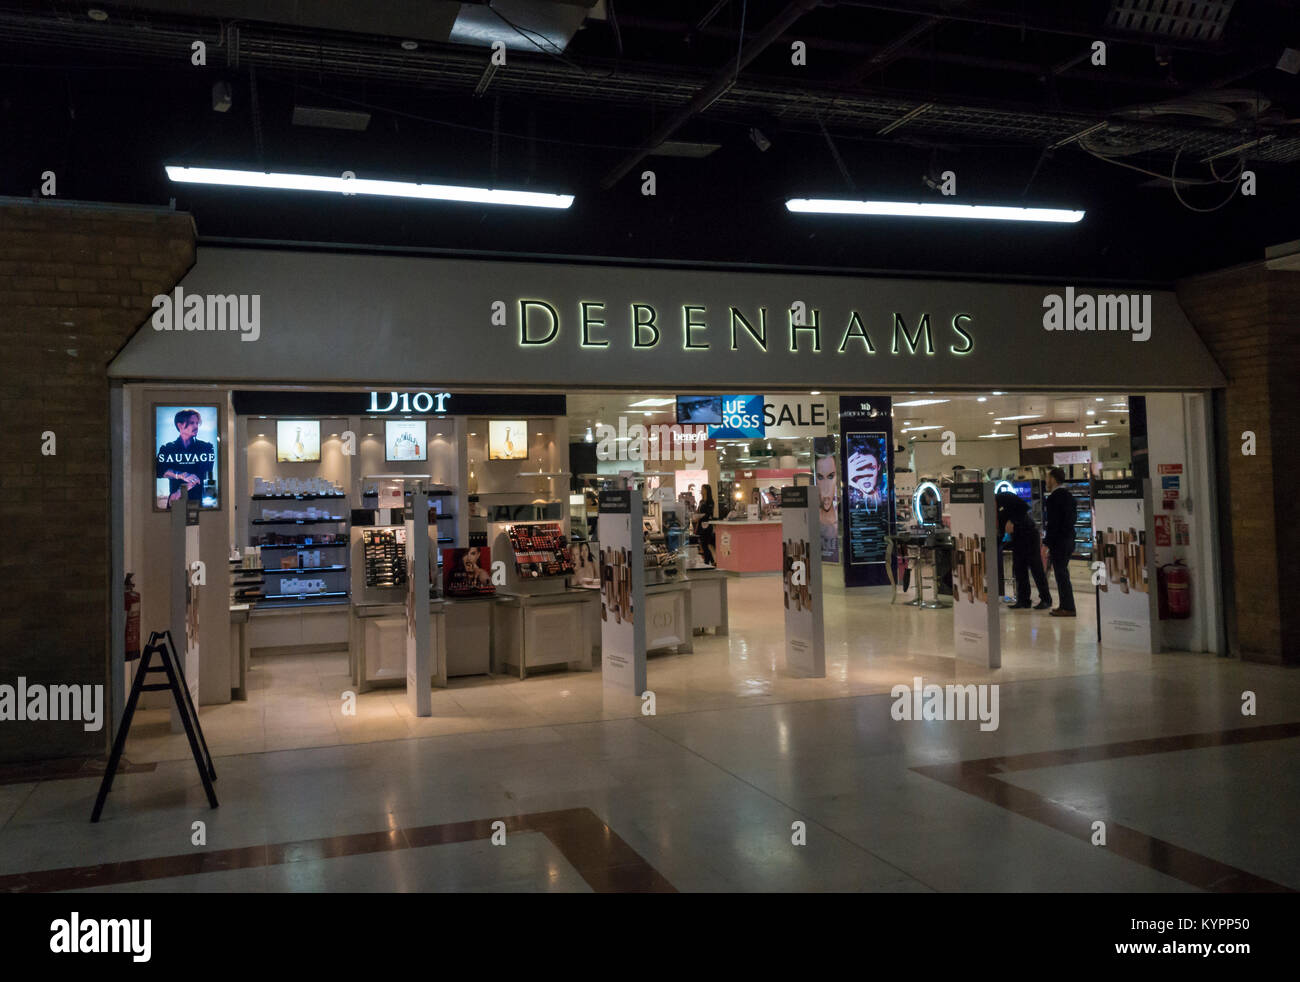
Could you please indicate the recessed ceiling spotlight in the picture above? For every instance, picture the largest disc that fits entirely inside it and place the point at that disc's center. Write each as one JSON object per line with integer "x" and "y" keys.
{"x": 1092, "y": 412}
{"x": 410, "y": 45}
{"x": 94, "y": 13}
{"x": 1101, "y": 398}
{"x": 999, "y": 393}
{"x": 981, "y": 398}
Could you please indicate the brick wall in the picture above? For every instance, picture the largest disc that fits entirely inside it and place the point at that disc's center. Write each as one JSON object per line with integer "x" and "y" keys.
{"x": 1250, "y": 319}
{"x": 75, "y": 283}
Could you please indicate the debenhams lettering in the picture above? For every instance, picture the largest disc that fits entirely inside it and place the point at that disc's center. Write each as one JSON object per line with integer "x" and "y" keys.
{"x": 642, "y": 326}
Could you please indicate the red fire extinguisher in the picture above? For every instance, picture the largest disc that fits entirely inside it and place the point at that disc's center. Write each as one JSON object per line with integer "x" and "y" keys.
{"x": 1175, "y": 591}
{"x": 132, "y": 619}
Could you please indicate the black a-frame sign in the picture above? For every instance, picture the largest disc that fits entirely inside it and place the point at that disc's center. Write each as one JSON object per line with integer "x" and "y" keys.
{"x": 160, "y": 645}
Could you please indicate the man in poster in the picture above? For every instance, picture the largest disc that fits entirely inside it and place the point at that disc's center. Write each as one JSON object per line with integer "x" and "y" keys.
{"x": 186, "y": 461}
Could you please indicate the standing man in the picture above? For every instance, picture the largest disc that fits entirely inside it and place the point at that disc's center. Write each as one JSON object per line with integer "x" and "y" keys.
{"x": 1014, "y": 518}
{"x": 1060, "y": 514}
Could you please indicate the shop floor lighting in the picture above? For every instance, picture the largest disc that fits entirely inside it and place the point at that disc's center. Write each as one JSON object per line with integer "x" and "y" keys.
{"x": 923, "y": 209}
{"x": 341, "y": 185}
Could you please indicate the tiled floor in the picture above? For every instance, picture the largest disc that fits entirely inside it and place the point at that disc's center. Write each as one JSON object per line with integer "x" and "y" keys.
{"x": 703, "y": 796}
{"x": 296, "y": 700}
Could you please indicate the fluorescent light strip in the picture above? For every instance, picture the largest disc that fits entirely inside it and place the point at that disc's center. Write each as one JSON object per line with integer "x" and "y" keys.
{"x": 651, "y": 402}
{"x": 996, "y": 436}
{"x": 913, "y": 429}
{"x": 922, "y": 402}
{"x": 922, "y": 209}
{"x": 391, "y": 189}
{"x": 1003, "y": 419}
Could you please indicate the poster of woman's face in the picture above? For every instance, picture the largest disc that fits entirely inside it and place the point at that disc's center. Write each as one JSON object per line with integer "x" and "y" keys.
{"x": 826, "y": 472}
{"x": 867, "y": 474}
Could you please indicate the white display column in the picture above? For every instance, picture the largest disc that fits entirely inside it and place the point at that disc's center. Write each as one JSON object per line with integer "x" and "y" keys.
{"x": 1123, "y": 535}
{"x": 184, "y": 621}
{"x": 419, "y": 666}
{"x": 801, "y": 566}
{"x": 622, "y": 591}
{"x": 976, "y": 635}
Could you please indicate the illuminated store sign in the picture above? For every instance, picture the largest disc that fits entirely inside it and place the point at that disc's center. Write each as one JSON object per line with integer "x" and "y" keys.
{"x": 1052, "y": 435}
{"x": 409, "y": 402}
{"x": 383, "y": 402}
{"x": 643, "y": 327}
{"x": 742, "y": 419}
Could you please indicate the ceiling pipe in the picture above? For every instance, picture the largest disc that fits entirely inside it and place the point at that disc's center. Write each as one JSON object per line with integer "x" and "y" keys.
{"x": 1001, "y": 18}
{"x": 723, "y": 80}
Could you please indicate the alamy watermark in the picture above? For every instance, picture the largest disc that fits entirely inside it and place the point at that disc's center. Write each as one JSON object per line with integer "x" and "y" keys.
{"x": 82, "y": 703}
{"x": 948, "y": 702}
{"x": 211, "y": 312}
{"x": 1103, "y": 312}
{"x": 666, "y": 441}
{"x": 102, "y": 935}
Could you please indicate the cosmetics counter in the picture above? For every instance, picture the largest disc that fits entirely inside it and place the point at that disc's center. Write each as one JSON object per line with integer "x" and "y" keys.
{"x": 320, "y": 559}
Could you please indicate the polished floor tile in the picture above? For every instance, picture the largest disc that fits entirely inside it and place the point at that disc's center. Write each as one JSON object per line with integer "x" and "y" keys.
{"x": 705, "y": 796}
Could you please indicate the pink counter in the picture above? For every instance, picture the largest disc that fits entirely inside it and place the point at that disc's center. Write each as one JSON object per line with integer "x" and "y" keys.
{"x": 748, "y": 547}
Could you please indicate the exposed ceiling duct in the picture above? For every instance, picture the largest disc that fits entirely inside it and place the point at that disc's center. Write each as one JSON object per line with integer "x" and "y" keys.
{"x": 440, "y": 67}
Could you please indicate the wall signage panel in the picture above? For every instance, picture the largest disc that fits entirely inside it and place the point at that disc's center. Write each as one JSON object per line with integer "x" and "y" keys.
{"x": 391, "y": 320}
{"x": 406, "y": 402}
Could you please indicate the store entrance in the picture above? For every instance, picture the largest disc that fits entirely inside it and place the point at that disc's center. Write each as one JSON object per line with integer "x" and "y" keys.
{"x": 310, "y": 495}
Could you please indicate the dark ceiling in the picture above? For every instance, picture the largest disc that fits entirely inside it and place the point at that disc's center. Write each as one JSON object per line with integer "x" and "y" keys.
{"x": 1002, "y": 93}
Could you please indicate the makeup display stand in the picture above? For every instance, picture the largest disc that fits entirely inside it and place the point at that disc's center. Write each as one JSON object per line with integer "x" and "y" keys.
{"x": 377, "y": 621}
{"x": 708, "y": 600}
{"x": 537, "y": 621}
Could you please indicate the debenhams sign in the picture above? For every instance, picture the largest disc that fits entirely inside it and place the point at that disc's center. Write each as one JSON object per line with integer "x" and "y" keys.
{"x": 645, "y": 327}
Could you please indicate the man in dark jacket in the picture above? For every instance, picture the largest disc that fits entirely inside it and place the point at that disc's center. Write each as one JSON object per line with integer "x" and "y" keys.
{"x": 1014, "y": 517}
{"x": 1059, "y": 517}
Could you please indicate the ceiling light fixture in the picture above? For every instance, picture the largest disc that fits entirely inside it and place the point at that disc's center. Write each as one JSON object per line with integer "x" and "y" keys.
{"x": 996, "y": 436}
{"x": 981, "y": 398}
{"x": 410, "y": 45}
{"x": 651, "y": 402}
{"x": 922, "y": 402}
{"x": 392, "y": 189}
{"x": 923, "y": 209}
{"x": 94, "y": 13}
{"x": 1005, "y": 419}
